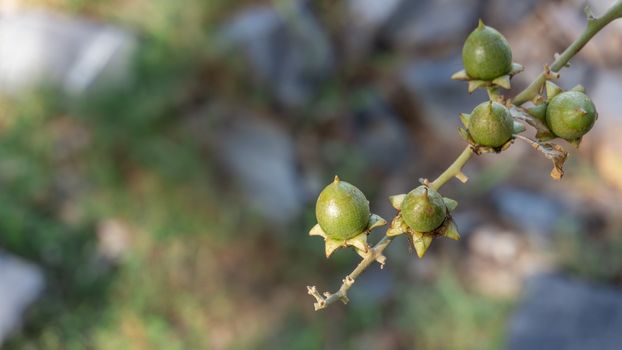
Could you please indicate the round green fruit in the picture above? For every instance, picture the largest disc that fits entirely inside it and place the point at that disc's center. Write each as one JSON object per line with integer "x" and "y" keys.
{"x": 570, "y": 115}
{"x": 491, "y": 124}
{"x": 423, "y": 209}
{"x": 342, "y": 210}
{"x": 486, "y": 54}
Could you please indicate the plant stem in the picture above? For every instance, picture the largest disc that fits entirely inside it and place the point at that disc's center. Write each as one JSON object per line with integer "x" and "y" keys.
{"x": 341, "y": 294}
{"x": 594, "y": 25}
{"x": 455, "y": 169}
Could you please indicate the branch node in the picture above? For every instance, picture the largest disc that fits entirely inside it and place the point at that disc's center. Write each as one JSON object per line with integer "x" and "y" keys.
{"x": 462, "y": 177}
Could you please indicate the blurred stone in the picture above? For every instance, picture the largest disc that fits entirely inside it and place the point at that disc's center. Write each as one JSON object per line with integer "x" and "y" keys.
{"x": 365, "y": 18}
{"x": 559, "y": 313}
{"x": 288, "y": 51}
{"x": 440, "y": 99}
{"x": 535, "y": 214}
{"x": 382, "y": 136}
{"x": 259, "y": 155}
{"x": 377, "y": 286}
{"x": 425, "y": 24}
{"x": 499, "y": 260}
{"x": 508, "y": 13}
{"x": 606, "y": 134}
{"x": 113, "y": 239}
{"x": 21, "y": 283}
{"x": 40, "y": 48}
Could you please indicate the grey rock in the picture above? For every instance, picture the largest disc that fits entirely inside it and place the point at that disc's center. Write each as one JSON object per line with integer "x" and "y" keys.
{"x": 365, "y": 19}
{"x": 21, "y": 283}
{"x": 508, "y": 13}
{"x": 422, "y": 24}
{"x": 559, "y": 313}
{"x": 606, "y": 133}
{"x": 382, "y": 136}
{"x": 533, "y": 213}
{"x": 498, "y": 260}
{"x": 260, "y": 157}
{"x": 288, "y": 52}
{"x": 47, "y": 48}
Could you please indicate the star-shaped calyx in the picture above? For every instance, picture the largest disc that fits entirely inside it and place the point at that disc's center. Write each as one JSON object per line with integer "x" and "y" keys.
{"x": 419, "y": 210}
{"x": 501, "y": 81}
{"x": 358, "y": 241}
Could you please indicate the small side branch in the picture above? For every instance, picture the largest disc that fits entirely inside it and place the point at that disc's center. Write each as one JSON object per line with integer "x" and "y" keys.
{"x": 454, "y": 170}
{"x": 594, "y": 25}
{"x": 375, "y": 253}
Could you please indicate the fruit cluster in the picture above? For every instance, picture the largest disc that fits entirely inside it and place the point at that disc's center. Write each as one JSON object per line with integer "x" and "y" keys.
{"x": 342, "y": 211}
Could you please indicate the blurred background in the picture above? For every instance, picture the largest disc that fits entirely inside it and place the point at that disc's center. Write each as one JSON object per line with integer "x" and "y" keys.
{"x": 160, "y": 160}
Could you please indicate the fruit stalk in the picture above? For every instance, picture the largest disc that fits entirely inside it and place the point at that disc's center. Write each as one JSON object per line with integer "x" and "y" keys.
{"x": 372, "y": 255}
{"x": 594, "y": 25}
{"x": 454, "y": 170}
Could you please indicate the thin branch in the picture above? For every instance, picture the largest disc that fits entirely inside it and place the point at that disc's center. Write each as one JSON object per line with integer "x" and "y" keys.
{"x": 594, "y": 25}
{"x": 454, "y": 170}
{"x": 375, "y": 253}
{"x": 342, "y": 294}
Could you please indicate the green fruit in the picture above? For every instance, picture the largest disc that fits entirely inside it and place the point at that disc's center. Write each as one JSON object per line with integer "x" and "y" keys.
{"x": 486, "y": 54}
{"x": 570, "y": 115}
{"x": 491, "y": 124}
{"x": 342, "y": 210}
{"x": 423, "y": 209}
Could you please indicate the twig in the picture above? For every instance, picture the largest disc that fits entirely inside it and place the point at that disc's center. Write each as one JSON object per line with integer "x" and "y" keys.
{"x": 594, "y": 25}
{"x": 348, "y": 281}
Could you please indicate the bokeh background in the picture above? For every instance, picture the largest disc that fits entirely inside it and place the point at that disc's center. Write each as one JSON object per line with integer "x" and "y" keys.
{"x": 160, "y": 160}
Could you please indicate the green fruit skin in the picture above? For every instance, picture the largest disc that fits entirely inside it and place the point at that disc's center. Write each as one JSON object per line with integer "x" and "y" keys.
{"x": 570, "y": 115}
{"x": 491, "y": 124}
{"x": 342, "y": 210}
{"x": 486, "y": 54}
{"x": 421, "y": 214}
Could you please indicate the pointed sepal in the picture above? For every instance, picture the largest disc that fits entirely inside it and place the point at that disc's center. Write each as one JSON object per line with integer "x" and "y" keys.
{"x": 461, "y": 75}
{"x": 475, "y": 84}
{"x": 421, "y": 244}
{"x": 503, "y": 81}
{"x": 359, "y": 242}
{"x": 374, "y": 222}
{"x": 397, "y": 200}
{"x": 450, "y": 204}
{"x": 331, "y": 245}
{"x": 397, "y": 227}
{"x": 516, "y": 68}
{"x": 317, "y": 231}
{"x": 538, "y": 112}
{"x": 552, "y": 89}
{"x": 451, "y": 231}
{"x": 578, "y": 88}
{"x": 464, "y": 118}
{"x": 517, "y": 128}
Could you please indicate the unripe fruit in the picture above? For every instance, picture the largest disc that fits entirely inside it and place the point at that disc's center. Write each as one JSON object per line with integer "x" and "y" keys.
{"x": 570, "y": 115}
{"x": 491, "y": 124}
{"x": 342, "y": 210}
{"x": 423, "y": 209}
{"x": 486, "y": 54}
